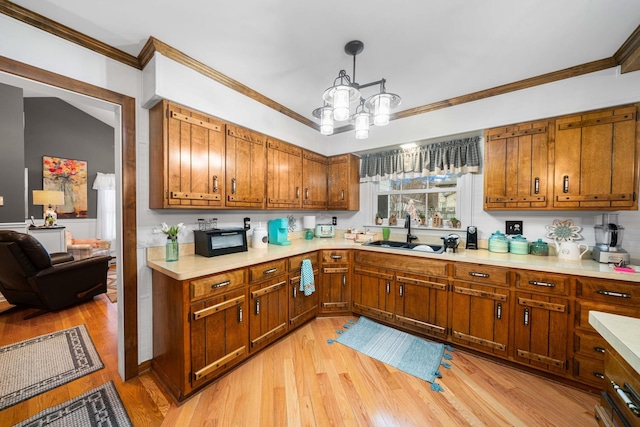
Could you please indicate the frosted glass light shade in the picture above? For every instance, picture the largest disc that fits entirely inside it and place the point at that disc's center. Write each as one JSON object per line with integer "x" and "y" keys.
{"x": 341, "y": 103}
{"x": 326, "y": 121}
{"x": 362, "y": 125}
{"x": 381, "y": 109}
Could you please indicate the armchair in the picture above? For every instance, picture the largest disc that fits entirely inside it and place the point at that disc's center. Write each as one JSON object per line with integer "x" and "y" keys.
{"x": 30, "y": 277}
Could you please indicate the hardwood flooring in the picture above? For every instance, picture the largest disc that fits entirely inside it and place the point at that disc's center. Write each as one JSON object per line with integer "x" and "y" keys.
{"x": 304, "y": 381}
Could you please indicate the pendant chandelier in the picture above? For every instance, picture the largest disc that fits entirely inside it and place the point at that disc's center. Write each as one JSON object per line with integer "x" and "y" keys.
{"x": 338, "y": 99}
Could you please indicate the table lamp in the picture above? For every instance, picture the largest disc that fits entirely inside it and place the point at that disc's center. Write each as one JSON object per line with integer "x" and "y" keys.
{"x": 309, "y": 222}
{"x": 50, "y": 199}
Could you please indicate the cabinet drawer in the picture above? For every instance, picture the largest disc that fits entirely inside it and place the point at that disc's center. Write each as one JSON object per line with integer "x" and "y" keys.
{"x": 427, "y": 267}
{"x": 481, "y": 274}
{"x": 590, "y": 345}
{"x": 611, "y": 291}
{"x": 295, "y": 262}
{"x": 547, "y": 283}
{"x": 583, "y": 308}
{"x": 217, "y": 284}
{"x": 267, "y": 270}
{"x": 588, "y": 371}
{"x": 338, "y": 256}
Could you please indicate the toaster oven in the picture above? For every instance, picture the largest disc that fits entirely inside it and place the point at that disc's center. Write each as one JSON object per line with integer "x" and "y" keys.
{"x": 220, "y": 241}
{"x": 325, "y": 230}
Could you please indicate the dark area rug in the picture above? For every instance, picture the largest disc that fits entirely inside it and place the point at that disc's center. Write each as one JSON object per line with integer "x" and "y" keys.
{"x": 101, "y": 406}
{"x": 39, "y": 364}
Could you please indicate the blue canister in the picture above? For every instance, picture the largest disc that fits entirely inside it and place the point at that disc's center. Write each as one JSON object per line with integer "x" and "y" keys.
{"x": 519, "y": 245}
{"x": 498, "y": 242}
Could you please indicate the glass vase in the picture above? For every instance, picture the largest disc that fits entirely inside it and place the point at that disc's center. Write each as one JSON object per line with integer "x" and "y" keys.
{"x": 172, "y": 247}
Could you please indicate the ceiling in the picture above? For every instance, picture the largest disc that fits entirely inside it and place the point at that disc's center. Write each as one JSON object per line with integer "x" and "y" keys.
{"x": 428, "y": 50}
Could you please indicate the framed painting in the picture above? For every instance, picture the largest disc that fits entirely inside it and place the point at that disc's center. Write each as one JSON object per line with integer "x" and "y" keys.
{"x": 69, "y": 176}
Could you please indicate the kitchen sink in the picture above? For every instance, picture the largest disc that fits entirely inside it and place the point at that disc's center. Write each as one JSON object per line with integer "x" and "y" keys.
{"x": 419, "y": 247}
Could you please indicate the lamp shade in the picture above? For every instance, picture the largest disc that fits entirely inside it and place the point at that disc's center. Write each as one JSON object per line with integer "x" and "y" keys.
{"x": 309, "y": 222}
{"x": 48, "y": 197}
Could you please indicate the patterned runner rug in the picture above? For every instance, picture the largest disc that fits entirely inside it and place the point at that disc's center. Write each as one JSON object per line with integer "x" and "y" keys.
{"x": 33, "y": 366}
{"x": 112, "y": 290}
{"x": 101, "y": 406}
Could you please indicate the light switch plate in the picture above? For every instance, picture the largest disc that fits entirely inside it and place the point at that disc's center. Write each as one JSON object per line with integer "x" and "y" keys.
{"x": 513, "y": 227}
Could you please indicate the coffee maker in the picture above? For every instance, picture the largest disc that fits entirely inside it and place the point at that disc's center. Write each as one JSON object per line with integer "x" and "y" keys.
{"x": 279, "y": 231}
{"x": 608, "y": 247}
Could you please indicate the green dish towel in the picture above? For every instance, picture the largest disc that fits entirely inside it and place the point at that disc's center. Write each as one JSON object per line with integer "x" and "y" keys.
{"x": 307, "y": 281}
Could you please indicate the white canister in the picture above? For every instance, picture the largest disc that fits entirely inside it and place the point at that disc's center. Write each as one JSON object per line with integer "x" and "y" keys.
{"x": 259, "y": 239}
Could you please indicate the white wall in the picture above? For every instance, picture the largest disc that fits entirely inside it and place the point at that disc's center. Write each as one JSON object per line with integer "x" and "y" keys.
{"x": 165, "y": 78}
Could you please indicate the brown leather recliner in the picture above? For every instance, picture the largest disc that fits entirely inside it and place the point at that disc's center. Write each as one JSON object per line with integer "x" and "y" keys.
{"x": 30, "y": 277}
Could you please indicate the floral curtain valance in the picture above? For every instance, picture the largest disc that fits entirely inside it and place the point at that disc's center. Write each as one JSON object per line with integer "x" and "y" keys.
{"x": 448, "y": 157}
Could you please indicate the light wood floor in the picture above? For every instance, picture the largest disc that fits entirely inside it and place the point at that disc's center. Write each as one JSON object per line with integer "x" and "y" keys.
{"x": 304, "y": 381}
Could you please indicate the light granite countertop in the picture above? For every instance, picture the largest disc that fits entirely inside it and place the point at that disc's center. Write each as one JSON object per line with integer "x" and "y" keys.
{"x": 621, "y": 332}
{"x": 190, "y": 265}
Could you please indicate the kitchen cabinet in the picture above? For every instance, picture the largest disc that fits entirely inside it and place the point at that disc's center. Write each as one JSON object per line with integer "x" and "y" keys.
{"x": 596, "y": 160}
{"x": 344, "y": 183}
{"x": 199, "y": 328}
{"x": 541, "y": 321}
{"x": 268, "y": 298}
{"x": 421, "y": 303}
{"x": 373, "y": 292}
{"x": 314, "y": 181}
{"x": 609, "y": 296}
{"x": 245, "y": 168}
{"x": 620, "y": 401}
{"x": 284, "y": 175}
{"x": 335, "y": 282}
{"x": 302, "y": 307}
{"x": 480, "y": 308}
{"x": 516, "y": 166}
{"x": 186, "y": 158}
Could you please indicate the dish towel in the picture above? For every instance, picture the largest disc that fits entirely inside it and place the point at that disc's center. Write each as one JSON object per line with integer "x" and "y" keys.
{"x": 307, "y": 281}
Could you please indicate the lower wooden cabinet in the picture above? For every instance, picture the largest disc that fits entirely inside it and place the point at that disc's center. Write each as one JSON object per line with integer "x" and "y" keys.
{"x": 480, "y": 317}
{"x": 421, "y": 303}
{"x": 335, "y": 282}
{"x": 268, "y": 312}
{"x": 373, "y": 292}
{"x": 302, "y": 307}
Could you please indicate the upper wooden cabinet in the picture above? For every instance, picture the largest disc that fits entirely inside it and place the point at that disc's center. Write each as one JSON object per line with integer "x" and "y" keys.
{"x": 186, "y": 152}
{"x": 343, "y": 183}
{"x": 246, "y": 161}
{"x": 516, "y": 166}
{"x": 314, "y": 181}
{"x": 284, "y": 175}
{"x": 596, "y": 164}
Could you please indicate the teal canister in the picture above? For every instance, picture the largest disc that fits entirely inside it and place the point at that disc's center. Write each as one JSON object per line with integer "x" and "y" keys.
{"x": 519, "y": 245}
{"x": 539, "y": 248}
{"x": 498, "y": 242}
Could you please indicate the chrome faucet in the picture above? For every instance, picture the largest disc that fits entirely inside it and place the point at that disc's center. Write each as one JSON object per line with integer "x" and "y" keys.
{"x": 407, "y": 225}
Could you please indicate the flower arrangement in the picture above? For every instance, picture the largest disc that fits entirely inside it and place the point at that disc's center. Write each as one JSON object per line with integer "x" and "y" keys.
{"x": 172, "y": 231}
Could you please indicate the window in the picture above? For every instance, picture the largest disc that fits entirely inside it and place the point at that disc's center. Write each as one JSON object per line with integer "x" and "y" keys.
{"x": 421, "y": 197}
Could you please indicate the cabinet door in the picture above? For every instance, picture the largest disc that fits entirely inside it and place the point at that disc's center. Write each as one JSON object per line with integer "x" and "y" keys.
{"x": 284, "y": 175}
{"x": 343, "y": 183}
{"x": 480, "y": 317}
{"x": 542, "y": 331}
{"x": 516, "y": 164}
{"x": 218, "y": 335}
{"x": 596, "y": 160}
{"x": 245, "y": 168}
{"x": 314, "y": 181}
{"x": 421, "y": 303}
{"x": 269, "y": 311}
{"x": 373, "y": 292}
{"x": 187, "y": 150}
{"x": 335, "y": 289}
{"x": 301, "y": 307}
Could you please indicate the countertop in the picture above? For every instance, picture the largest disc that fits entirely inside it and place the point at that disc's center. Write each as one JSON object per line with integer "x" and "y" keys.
{"x": 190, "y": 265}
{"x": 621, "y": 332}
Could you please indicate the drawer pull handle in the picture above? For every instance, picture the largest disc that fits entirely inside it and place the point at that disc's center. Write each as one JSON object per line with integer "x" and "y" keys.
{"x": 388, "y": 288}
{"x": 270, "y": 270}
{"x": 536, "y": 186}
{"x": 401, "y": 290}
{"x": 295, "y": 291}
{"x": 565, "y": 184}
{"x": 598, "y": 375}
{"x": 623, "y": 395}
{"x": 257, "y": 306}
{"x": 613, "y": 294}
{"x": 476, "y": 274}
{"x": 344, "y": 280}
{"x": 598, "y": 349}
{"x": 336, "y": 256}
{"x": 499, "y": 311}
{"x": 525, "y": 319}
{"x": 239, "y": 314}
{"x": 546, "y": 284}
{"x": 221, "y": 284}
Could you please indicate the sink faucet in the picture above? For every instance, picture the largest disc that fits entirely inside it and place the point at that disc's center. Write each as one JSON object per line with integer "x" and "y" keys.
{"x": 407, "y": 225}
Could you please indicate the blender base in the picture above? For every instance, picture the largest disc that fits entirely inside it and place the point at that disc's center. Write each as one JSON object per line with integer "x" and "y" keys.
{"x": 611, "y": 257}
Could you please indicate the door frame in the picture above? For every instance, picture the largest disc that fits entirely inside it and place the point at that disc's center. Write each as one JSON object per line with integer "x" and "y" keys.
{"x": 128, "y": 308}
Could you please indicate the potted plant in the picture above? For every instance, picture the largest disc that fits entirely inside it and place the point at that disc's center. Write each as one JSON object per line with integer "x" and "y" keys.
{"x": 455, "y": 222}
{"x": 378, "y": 218}
{"x": 423, "y": 217}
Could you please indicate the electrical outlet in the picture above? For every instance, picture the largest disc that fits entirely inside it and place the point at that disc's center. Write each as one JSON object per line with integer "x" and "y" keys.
{"x": 514, "y": 227}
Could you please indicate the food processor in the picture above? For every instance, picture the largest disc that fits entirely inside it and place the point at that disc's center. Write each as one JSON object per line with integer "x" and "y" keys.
{"x": 608, "y": 247}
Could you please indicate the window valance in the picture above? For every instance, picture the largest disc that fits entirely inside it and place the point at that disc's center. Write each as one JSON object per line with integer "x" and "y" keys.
{"x": 457, "y": 156}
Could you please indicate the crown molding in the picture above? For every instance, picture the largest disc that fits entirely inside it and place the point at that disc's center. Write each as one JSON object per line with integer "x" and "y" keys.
{"x": 628, "y": 56}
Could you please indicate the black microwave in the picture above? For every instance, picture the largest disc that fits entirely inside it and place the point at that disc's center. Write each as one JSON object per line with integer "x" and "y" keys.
{"x": 220, "y": 241}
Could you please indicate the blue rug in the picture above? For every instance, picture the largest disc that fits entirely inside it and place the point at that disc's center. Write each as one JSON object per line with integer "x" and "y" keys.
{"x": 406, "y": 352}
